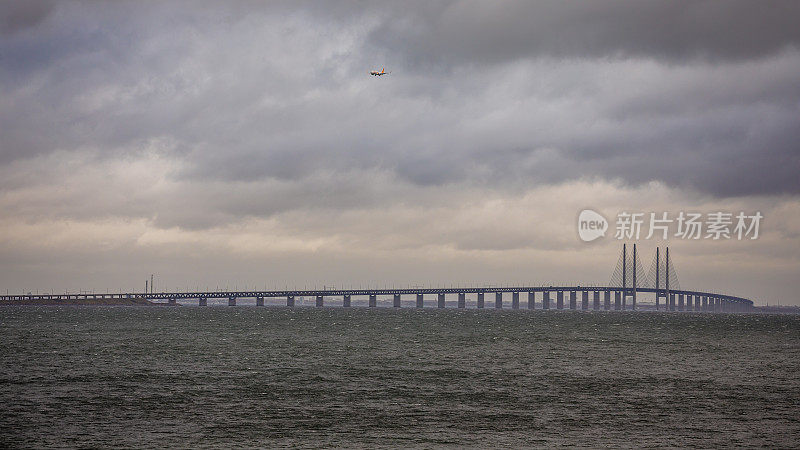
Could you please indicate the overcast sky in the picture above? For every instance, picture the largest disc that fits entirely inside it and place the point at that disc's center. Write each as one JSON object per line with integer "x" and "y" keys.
{"x": 245, "y": 144}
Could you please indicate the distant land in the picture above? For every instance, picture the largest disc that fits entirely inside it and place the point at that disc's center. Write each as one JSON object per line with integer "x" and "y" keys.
{"x": 773, "y": 309}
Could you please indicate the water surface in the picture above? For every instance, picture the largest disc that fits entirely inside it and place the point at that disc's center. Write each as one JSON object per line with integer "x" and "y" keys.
{"x": 273, "y": 376}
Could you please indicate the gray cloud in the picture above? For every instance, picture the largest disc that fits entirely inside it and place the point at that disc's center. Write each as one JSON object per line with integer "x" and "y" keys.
{"x": 17, "y": 16}
{"x": 470, "y": 32}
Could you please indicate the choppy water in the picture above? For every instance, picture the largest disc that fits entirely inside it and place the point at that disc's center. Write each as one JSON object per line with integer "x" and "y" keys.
{"x": 267, "y": 377}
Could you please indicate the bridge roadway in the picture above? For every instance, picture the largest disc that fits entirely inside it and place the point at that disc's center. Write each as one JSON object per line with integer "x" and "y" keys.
{"x": 681, "y": 300}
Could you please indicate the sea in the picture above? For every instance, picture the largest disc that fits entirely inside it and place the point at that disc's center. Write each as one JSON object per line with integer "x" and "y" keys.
{"x": 277, "y": 377}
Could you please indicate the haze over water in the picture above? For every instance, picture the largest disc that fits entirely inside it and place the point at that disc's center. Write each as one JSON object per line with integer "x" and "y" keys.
{"x": 245, "y": 376}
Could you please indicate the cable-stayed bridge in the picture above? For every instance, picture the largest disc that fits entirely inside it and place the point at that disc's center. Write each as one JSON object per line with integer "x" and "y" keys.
{"x": 627, "y": 280}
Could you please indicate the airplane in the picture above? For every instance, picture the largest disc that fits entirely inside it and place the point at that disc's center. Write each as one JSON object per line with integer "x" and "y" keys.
{"x": 377, "y": 74}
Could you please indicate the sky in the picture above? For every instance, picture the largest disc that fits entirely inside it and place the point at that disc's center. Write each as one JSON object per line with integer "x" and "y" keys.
{"x": 244, "y": 144}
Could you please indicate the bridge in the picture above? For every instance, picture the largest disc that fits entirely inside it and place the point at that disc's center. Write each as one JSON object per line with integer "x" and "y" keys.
{"x": 627, "y": 281}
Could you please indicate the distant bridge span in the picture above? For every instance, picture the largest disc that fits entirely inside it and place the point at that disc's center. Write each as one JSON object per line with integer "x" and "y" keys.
{"x": 612, "y": 297}
{"x": 566, "y": 297}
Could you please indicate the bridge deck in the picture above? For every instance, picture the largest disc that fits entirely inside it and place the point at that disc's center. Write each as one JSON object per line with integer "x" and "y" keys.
{"x": 356, "y": 292}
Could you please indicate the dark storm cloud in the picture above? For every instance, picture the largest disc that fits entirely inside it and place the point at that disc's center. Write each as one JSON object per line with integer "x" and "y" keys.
{"x": 19, "y": 15}
{"x": 478, "y": 32}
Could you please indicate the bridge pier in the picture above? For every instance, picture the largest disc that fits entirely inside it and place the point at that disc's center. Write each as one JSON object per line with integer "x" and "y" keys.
{"x": 688, "y": 302}
{"x": 617, "y": 300}
{"x": 498, "y": 300}
{"x": 624, "y": 299}
{"x": 546, "y": 300}
{"x": 231, "y": 301}
{"x": 697, "y": 303}
{"x": 531, "y": 300}
{"x": 320, "y": 301}
{"x": 420, "y": 301}
{"x": 596, "y": 300}
{"x": 705, "y": 303}
{"x": 373, "y": 300}
{"x": 290, "y": 301}
{"x": 480, "y": 300}
{"x": 396, "y": 301}
{"x": 346, "y": 301}
{"x": 559, "y": 299}
{"x": 671, "y": 301}
{"x": 462, "y": 300}
{"x": 607, "y": 300}
{"x": 585, "y": 300}
{"x": 573, "y": 300}
{"x": 259, "y": 301}
{"x": 202, "y": 301}
{"x": 680, "y": 302}
{"x": 440, "y": 301}
{"x": 515, "y": 300}
{"x": 172, "y": 301}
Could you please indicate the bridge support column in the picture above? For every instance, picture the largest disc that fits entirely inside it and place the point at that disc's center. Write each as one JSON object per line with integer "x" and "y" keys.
{"x": 346, "y": 301}
{"x": 688, "y": 302}
{"x": 573, "y": 300}
{"x": 617, "y": 300}
{"x": 607, "y": 300}
{"x": 560, "y": 300}
{"x": 259, "y": 301}
{"x": 172, "y": 301}
{"x": 440, "y": 301}
{"x": 546, "y": 300}
{"x": 480, "y": 300}
{"x": 320, "y": 301}
{"x": 671, "y": 301}
{"x": 231, "y": 301}
{"x": 680, "y": 302}
{"x": 202, "y": 301}
{"x": 396, "y": 301}
{"x": 658, "y": 297}
{"x": 290, "y": 300}
{"x": 498, "y": 300}
{"x": 585, "y": 300}
{"x": 718, "y": 305}
{"x": 531, "y": 300}
{"x": 515, "y": 300}
{"x": 704, "y": 299}
{"x": 596, "y": 300}
{"x": 373, "y": 300}
{"x": 420, "y": 301}
{"x": 697, "y": 303}
{"x": 462, "y": 300}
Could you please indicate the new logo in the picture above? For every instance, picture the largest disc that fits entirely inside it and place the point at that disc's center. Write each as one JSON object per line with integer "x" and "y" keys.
{"x": 591, "y": 225}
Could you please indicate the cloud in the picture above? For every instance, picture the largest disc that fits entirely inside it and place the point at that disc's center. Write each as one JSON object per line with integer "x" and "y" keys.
{"x": 17, "y": 16}
{"x": 473, "y": 32}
